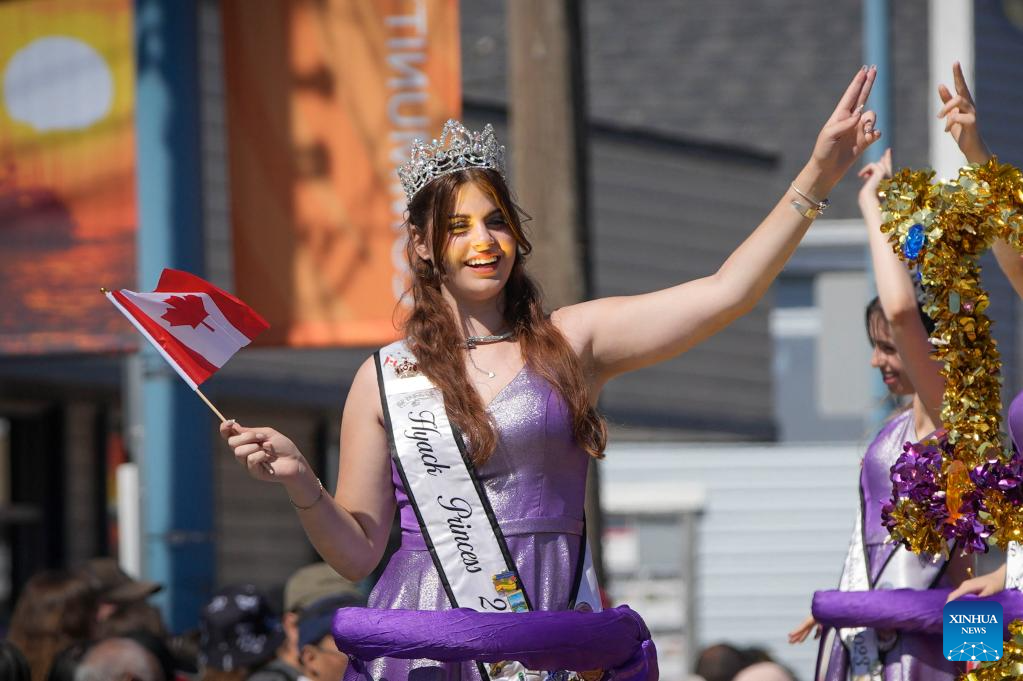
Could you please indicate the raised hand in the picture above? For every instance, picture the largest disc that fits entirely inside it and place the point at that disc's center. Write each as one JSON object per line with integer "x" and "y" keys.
{"x": 872, "y": 174}
{"x": 849, "y": 130}
{"x": 960, "y": 114}
{"x": 799, "y": 634}
{"x": 266, "y": 454}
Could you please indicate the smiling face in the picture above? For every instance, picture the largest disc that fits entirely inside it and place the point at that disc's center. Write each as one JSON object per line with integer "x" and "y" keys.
{"x": 886, "y": 356}
{"x": 479, "y": 248}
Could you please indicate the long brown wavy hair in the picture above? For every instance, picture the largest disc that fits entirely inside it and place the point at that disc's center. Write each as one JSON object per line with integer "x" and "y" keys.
{"x": 438, "y": 343}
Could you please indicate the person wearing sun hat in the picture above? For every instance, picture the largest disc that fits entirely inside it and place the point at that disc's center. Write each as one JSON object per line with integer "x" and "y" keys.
{"x": 238, "y": 633}
{"x": 114, "y": 587}
{"x": 313, "y": 582}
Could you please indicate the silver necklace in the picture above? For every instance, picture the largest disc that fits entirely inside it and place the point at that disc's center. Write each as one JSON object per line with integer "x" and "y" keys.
{"x": 472, "y": 341}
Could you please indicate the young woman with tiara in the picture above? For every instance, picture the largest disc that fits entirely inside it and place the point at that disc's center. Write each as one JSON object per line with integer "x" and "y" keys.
{"x": 518, "y": 388}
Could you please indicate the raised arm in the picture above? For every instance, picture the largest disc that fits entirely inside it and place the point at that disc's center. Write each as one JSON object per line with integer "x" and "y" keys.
{"x": 350, "y": 529}
{"x": 1011, "y": 263}
{"x": 620, "y": 334}
{"x": 897, "y": 295}
{"x": 960, "y": 114}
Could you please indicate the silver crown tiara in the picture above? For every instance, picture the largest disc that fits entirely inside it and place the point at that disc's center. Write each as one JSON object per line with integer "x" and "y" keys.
{"x": 459, "y": 148}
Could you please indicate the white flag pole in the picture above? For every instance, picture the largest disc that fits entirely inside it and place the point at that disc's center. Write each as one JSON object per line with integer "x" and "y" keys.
{"x": 210, "y": 405}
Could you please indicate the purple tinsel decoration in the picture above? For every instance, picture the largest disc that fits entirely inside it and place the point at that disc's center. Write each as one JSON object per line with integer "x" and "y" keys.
{"x": 916, "y": 477}
{"x": 1005, "y": 477}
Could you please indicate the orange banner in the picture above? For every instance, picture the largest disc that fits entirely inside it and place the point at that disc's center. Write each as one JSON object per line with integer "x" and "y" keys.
{"x": 67, "y": 173}
{"x": 323, "y": 100}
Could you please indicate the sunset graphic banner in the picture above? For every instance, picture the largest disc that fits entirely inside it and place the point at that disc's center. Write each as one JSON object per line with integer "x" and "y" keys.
{"x": 67, "y": 173}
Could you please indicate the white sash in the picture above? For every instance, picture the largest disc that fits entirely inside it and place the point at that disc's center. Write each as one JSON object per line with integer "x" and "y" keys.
{"x": 457, "y": 522}
{"x": 902, "y": 570}
{"x": 1014, "y": 566}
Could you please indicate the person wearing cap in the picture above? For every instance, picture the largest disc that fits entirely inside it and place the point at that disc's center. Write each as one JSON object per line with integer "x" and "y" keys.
{"x": 321, "y": 660}
{"x": 238, "y": 633}
{"x": 306, "y": 585}
{"x": 115, "y": 588}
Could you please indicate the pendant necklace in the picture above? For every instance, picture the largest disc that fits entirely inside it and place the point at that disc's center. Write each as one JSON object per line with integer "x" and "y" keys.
{"x": 472, "y": 341}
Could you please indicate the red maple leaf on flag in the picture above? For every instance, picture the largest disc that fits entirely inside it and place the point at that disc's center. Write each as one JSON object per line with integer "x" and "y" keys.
{"x": 186, "y": 311}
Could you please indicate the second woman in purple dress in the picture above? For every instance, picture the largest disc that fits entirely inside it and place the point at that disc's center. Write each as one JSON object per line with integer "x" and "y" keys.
{"x": 898, "y": 332}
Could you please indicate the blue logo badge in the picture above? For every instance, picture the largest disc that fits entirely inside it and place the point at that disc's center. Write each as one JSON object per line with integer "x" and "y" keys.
{"x": 972, "y": 631}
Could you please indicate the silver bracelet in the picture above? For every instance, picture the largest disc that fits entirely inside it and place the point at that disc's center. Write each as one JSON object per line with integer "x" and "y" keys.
{"x": 319, "y": 496}
{"x": 820, "y": 206}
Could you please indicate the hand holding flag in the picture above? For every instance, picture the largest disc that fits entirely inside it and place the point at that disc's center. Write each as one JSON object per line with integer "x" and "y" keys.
{"x": 196, "y": 326}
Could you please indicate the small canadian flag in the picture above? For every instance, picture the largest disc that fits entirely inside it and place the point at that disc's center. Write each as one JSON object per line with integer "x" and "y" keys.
{"x": 196, "y": 326}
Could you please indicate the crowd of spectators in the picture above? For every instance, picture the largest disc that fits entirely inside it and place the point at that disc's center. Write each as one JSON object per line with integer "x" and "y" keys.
{"x": 96, "y": 623}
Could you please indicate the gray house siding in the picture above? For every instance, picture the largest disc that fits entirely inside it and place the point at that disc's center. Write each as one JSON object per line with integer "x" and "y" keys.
{"x": 752, "y": 75}
{"x": 666, "y": 213}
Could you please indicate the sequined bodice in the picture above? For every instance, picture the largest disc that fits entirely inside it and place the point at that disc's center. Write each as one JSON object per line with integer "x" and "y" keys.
{"x": 876, "y": 475}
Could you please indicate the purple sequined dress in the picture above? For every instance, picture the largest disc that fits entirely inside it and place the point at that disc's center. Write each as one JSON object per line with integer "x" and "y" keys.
{"x": 915, "y": 657}
{"x": 536, "y": 482}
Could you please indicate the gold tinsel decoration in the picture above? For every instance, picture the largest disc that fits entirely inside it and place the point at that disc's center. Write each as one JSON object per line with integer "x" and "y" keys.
{"x": 943, "y": 228}
{"x": 1011, "y": 664}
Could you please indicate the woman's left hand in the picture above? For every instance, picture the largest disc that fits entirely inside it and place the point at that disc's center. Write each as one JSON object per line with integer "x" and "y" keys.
{"x": 849, "y": 130}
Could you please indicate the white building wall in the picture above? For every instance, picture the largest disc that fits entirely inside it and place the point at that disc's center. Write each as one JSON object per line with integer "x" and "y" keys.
{"x": 775, "y": 528}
